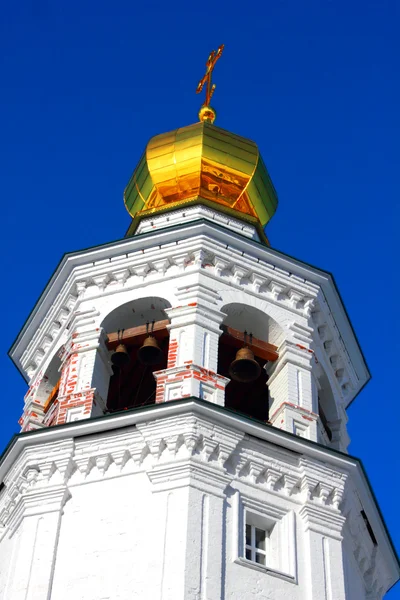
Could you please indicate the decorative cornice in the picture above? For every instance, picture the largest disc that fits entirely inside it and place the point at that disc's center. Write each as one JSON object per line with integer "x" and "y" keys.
{"x": 152, "y": 256}
{"x": 326, "y": 522}
{"x": 197, "y": 474}
{"x": 367, "y": 554}
{"x": 195, "y": 313}
{"x": 331, "y": 345}
{"x": 190, "y": 256}
{"x": 189, "y": 213}
{"x": 174, "y": 451}
{"x": 96, "y": 286}
{"x": 122, "y": 448}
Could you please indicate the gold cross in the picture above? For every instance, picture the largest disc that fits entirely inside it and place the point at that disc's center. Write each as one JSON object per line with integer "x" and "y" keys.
{"x": 210, "y": 64}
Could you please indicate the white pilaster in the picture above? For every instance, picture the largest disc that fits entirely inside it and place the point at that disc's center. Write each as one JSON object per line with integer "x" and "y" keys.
{"x": 85, "y": 374}
{"x": 193, "y": 349}
{"x": 293, "y": 391}
{"x": 323, "y": 553}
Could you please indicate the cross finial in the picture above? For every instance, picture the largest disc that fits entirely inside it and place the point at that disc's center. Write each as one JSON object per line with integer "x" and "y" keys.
{"x": 206, "y": 112}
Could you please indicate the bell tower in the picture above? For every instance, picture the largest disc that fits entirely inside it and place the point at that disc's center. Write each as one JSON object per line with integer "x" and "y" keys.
{"x": 184, "y": 430}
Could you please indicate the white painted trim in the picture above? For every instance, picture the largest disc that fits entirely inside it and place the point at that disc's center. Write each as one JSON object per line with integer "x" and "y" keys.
{"x": 227, "y": 418}
{"x": 219, "y": 235}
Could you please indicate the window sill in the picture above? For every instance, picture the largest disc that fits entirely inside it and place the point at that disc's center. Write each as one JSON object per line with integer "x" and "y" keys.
{"x": 274, "y": 572}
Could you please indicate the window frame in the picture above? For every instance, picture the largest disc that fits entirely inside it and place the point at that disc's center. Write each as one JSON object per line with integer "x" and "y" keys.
{"x": 280, "y": 527}
{"x": 253, "y": 548}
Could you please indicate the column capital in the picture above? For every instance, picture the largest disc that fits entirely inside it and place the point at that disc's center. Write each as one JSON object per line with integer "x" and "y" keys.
{"x": 291, "y": 352}
{"x": 195, "y": 313}
{"x": 190, "y": 436}
{"x": 38, "y": 501}
{"x": 327, "y": 522}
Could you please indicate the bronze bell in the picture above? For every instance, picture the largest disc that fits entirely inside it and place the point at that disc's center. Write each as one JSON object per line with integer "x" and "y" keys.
{"x": 244, "y": 368}
{"x": 120, "y": 356}
{"x": 150, "y": 353}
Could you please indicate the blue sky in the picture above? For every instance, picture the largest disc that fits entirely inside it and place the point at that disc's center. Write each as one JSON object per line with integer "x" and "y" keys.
{"x": 85, "y": 84}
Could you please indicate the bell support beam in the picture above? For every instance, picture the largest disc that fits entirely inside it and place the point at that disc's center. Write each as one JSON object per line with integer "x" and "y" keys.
{"x": 138, "y": 334}
{"x": 231, "y": 336}
{"x": 262, "y": 349}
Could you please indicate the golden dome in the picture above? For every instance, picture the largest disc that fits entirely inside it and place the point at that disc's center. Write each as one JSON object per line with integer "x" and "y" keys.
{"x": 204, "y": 164}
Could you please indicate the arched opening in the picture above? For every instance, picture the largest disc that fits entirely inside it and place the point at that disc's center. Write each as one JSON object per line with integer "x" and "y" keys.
{"x": 133, "y": 384}
{"x": 250, "y": 398}
{"x": 48, "y": 388}
{"x": 326, "y": 408}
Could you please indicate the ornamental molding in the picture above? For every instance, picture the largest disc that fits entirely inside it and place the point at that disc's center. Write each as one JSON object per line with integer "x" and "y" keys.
{"x": 258, "y": 503}
{"x": 291, "y": 353}
{"x": 80, "y": 452}
{"x": 188, "y": 214}
{"x": 332, "y": 350}
{"x": 202, "y": 476}
{"x": 291, "y": 476}
{"x": 36, "y": 502}
{"x": 367, "y": 556}
{"x": 137, "y": 269}
{"x": 256, "y": 278}
{"x": 142, "y": 259}
{"x": 200, "y": 292}
{"x": 195, "y": 313}
{"x": 173, "y": 451}
{"x": 319, "y": 519}
{"x": 35, "y": 484}
{"x": 192, "y": 437}
{"x": 47, "y": 338}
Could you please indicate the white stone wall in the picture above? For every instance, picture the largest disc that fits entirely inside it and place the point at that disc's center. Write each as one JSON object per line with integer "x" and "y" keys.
{"x": 199, "y": 279}
{"x": 157, "y": 509}
{"x": 203, "y": 268}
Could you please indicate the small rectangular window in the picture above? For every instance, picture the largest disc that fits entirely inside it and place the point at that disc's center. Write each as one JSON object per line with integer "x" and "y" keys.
{"x": 264, "y": 537}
